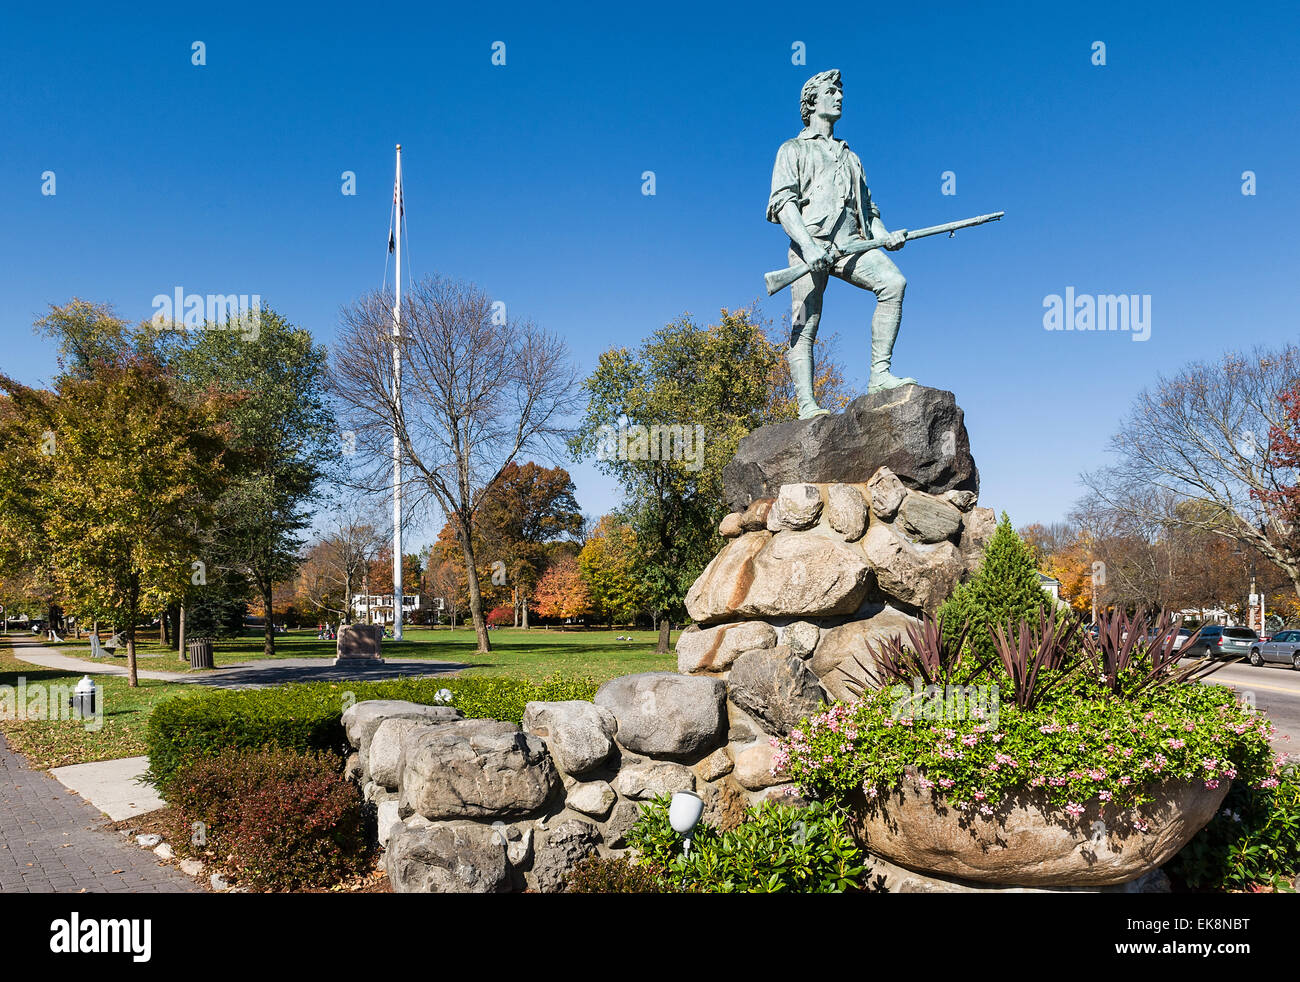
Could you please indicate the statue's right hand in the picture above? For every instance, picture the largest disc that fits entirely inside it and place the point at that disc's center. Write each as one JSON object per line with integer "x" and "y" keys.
{"x": 817, "y": 258}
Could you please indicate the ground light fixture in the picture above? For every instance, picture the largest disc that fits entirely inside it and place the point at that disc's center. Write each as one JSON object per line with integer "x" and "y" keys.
{"x": 684, "y": 814}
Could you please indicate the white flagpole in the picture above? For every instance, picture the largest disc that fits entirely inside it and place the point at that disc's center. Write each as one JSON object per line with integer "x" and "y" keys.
{"x": 397, "y": 400}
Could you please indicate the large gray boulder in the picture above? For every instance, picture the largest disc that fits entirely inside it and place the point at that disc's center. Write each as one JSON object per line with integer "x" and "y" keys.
{"x": 790, "y": 574}
{"x": 846, "y": 511}
{"x": 388, "y": 746}
{"x": 928, "y": 518}
{"x": 775, "y": 687}
{"x": 665, "y": 714}
{"x": 646, "y": 779}
{"x": 447, "y": 857}
{"x": 713, "y": 649}
{"x": 754, "y": 767}
{"x": 917, "y": 432}
{"x": 579, "y": 735}
{"x": 916, "y": 575}
{"x": 799, "y": 505}
{"x": 477, "y": 768}
{"x": 360, "y": 720}
{"x": 842, "y": 658}
{"x": 559, "y": 849}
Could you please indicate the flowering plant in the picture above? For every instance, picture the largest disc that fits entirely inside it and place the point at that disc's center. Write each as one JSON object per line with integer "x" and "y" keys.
{"x": 1076, "y": 744}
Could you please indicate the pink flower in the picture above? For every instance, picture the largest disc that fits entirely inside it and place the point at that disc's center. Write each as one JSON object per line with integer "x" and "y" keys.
{"x": 980, "y": 796}
{"x": 1104, "y": 795}
{"x": 970, "y": 739}
{"x": 1074, "y": 808}
{"x": 1212, "y": 784}
{"x": 946, "y": 782}
{"x": 986, "y": 809}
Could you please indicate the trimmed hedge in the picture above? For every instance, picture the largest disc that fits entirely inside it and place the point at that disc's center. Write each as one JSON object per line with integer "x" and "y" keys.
{"x": 307, "y": 717}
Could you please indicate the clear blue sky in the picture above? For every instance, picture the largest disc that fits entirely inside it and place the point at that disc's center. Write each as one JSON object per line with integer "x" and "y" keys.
{"x": 527, "y": 179}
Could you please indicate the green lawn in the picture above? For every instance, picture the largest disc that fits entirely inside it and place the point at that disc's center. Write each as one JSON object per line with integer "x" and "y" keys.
{"x": 533, "y": 654}
{"x": 53, "y": 742}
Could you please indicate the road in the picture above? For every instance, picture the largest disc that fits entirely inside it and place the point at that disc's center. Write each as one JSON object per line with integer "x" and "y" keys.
{"x": 1275, "y": 689}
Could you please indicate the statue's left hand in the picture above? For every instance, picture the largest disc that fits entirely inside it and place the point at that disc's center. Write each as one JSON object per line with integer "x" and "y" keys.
{"x": 896, "y": 240}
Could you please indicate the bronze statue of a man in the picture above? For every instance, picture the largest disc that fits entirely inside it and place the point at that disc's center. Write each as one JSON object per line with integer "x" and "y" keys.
{"x": 820, "y": 197}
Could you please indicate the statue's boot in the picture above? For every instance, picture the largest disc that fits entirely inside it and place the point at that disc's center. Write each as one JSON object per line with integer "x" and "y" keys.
{"x": 884, "y": 332}
{"x": 801, "y": 371}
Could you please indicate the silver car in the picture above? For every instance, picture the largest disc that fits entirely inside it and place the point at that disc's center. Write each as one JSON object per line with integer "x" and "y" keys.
{"x": 1283, "y": 647}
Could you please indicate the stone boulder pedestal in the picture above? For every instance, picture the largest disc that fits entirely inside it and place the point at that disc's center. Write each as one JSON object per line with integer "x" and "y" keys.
{"x": 1027, "y": 842}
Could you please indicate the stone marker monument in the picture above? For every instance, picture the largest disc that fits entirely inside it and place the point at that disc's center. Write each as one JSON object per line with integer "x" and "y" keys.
{"x": 359, "y": 644}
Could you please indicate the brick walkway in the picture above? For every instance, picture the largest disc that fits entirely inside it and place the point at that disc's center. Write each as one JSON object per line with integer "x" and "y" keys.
{"x": 53, "y": 842}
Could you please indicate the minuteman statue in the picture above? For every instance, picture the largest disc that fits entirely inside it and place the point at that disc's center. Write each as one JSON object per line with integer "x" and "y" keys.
{"x": 820, "y": 197}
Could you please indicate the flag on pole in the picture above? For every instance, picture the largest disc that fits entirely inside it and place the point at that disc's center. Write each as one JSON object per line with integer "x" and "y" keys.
{"x": 397, "y": 199}
{"x": 392, "y": 241}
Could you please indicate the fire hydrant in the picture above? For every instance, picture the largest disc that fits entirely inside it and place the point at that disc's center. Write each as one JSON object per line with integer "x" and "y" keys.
{"x": 82, "y": 700}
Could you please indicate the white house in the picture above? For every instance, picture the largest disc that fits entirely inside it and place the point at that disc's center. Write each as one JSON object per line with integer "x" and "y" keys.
{"x": 379, "y": 607}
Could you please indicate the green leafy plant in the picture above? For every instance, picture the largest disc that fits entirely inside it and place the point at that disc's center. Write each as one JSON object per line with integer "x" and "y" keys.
{"x": 279, "y": 820}
{"x": 308, "y": 717}
{"x": 1253, "y": 841}
{"x": 778, "y": 849}
{"x": 1077, "y": 744}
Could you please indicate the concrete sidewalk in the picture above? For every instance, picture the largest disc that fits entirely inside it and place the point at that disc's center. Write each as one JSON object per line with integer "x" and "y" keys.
{"x": 112, "y": 786}
{"x": 48, "y": 658}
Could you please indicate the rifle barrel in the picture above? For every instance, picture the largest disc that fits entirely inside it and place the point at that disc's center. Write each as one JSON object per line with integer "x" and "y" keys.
{"x": 781, "y": 278}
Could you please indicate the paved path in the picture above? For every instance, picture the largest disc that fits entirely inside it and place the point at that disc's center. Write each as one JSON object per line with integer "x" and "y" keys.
{"x": 53, "y": 842}
{"x": 246, "y": 675}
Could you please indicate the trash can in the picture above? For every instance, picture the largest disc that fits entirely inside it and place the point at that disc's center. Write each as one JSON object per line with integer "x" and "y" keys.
{"x": 82, "y": 699}
{"x": 200, "y": 652}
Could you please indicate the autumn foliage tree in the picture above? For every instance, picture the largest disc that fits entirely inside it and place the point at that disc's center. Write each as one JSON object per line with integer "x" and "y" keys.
{"x": 561, "y": 592}
{"x": 126, "y": 474}
{"x": 608, "y": 565}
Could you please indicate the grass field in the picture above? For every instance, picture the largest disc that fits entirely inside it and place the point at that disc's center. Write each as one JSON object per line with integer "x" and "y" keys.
{"x": 53, "y": 742}
{"x": 533, "y": 654}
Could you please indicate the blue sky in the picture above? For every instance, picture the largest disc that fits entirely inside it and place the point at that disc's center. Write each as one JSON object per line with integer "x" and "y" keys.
{"x": 526, "y": 178}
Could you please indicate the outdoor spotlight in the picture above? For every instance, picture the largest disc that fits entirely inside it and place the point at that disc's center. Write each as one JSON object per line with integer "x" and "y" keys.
{"x": 684, "y": 814}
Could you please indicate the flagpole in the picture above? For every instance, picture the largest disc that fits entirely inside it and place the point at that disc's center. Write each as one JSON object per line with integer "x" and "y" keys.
{"x": 397, "y": 402}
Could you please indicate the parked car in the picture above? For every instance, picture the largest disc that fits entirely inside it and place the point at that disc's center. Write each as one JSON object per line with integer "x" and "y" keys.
{"x": 1283, "y": 647}
{"x": 1218, "y": 641}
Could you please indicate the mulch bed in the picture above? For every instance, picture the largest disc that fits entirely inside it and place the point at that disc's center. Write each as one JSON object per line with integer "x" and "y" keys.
{"x": 374, "y": 881}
